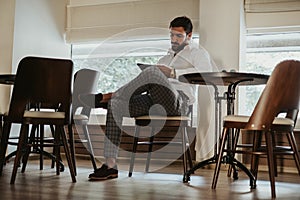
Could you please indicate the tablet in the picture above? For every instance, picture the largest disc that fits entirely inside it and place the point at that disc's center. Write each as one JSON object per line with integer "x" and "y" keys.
{"x": 144, "y": 66}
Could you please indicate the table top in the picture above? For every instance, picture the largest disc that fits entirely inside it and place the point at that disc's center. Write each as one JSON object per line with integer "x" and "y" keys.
{"x": 224, "y": 78}
{"x": 7, "y": 79}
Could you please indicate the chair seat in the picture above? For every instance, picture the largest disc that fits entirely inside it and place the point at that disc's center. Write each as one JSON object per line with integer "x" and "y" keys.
{"x": 245, "y": 119}
{"x": 44, "y": 114}
{"x": 80, "y": 117}
{"x": 157, "y": 120}
{"x": 157, "y": 117}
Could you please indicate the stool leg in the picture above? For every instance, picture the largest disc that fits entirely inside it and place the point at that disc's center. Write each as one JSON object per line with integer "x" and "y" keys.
{"x": 53, "y": 133}
{"x": 184, "y": 152}
{"x": 32, "y": 141}
{"x": 72, "y": 148}
{"x": 57, "y": 139}
{"x": 257, "y": 138}
{"x": 41, "y": 146}
{"x": 4, "y": 143}
{"x": 219, "y": 158}
{"x": 134, "y": 148}
{"x": 293, "y": 144}
{"x": 67, "y": 152}
{"x": 234, "y": 145}
{"x": 21, "y": 143}
{"x": 188, "y": 146}
{"x": 89, "y": 144}
{"x": 150, "y": 149}
{"x": 270, "y": 157}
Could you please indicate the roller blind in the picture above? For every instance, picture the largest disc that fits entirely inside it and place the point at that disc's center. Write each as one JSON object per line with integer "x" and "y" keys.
{"x": 272, "y": 15}
{"x": 99, "y": 19}
{"x": 264, "y": 6}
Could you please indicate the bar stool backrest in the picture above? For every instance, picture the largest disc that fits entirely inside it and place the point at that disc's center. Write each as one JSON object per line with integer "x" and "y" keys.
{"x": 281, "y": 95}
{"x": 35, "y": 81}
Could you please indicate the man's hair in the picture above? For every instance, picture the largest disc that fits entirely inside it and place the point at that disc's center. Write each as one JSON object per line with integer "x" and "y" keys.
{"x": 184, "y": 22}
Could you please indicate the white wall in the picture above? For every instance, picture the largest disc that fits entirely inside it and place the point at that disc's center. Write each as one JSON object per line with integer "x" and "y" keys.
{"x": 7, "y": 10}
{"x": 39, "y": 29}
{"x": 220, "y": 35}
{"x": 220, "y": 30}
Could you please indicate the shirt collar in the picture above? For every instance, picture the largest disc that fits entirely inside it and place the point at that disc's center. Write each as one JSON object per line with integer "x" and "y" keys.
{"x": 172, "y": 52}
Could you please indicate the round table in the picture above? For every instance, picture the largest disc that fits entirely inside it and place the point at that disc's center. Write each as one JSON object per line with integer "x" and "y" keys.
{"x": 231, "y": 80}
{"x": 7, "y": 79}
{"x": 224, "y": 78}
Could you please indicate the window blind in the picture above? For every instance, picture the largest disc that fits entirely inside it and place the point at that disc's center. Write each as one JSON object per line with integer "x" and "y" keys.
{"x": 265, "y": 6}
{"x": 272, "y": 16}
{"x": 98, "y": 19}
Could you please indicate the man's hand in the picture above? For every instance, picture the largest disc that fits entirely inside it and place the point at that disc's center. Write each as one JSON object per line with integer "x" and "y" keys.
{"x": 166, "y": 70}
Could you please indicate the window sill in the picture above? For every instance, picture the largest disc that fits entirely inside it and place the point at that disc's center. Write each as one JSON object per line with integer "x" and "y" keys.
{"x": 100, "y": 119}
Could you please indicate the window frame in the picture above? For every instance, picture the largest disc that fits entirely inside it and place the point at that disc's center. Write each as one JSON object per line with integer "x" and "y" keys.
{"x": 267, "y": 43}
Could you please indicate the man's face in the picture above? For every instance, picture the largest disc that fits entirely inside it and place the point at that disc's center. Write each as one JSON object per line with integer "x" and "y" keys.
{"x": 179, "y": 38}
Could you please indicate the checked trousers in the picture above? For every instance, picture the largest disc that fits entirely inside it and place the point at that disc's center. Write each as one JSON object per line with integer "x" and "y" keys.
{"x": 149, "y": 93}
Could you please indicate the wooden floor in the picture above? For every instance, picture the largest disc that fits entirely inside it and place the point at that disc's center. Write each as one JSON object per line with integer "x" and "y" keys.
{"x": 162, "y": 184}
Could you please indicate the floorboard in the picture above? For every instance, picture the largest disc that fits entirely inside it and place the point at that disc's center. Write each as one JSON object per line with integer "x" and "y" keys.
{"x": 165, "y": 183}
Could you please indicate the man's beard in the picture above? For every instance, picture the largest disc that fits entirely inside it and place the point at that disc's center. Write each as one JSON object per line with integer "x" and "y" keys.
{"x": 176, "y": 47}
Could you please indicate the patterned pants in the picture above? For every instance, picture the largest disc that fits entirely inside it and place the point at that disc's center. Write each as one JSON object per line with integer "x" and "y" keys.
{"x": 149, "y": 93}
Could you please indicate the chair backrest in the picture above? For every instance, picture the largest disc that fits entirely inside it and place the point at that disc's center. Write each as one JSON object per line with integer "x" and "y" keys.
{"x": 281, "y": 94}
{"x": 85, "y": 82}
{"x": 42, "y": 82}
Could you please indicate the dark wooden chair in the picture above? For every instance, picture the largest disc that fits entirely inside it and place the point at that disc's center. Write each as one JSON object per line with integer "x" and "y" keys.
{"x": 157, "y": 122}
{"x": 45, "y": 83}
{"x": 85, "y": 82}
{"x": 281, "y": 95}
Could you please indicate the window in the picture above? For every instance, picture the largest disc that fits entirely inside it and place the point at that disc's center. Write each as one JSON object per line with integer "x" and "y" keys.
{"x": 116, "y": 60}
{"x": 264, "y": 51}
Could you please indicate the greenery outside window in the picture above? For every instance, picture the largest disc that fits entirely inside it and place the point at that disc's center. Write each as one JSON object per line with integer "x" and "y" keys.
{"x": 264, "y": 51}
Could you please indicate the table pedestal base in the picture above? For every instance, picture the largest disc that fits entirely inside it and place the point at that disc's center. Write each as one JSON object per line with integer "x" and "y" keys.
{"x": 225, "y": 160}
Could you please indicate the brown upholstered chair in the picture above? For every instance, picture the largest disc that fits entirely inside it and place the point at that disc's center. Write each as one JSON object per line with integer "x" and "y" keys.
{"x": 281, "y": 95}
{"x": 43, "y": 83}
{"x": 181, "y": 122}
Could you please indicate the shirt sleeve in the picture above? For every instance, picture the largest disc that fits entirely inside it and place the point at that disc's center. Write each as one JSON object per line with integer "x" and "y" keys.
{"x": 201, "y": 60}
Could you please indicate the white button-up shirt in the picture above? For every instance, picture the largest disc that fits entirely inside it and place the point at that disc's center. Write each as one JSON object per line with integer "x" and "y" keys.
{"x": 191, "y": 59}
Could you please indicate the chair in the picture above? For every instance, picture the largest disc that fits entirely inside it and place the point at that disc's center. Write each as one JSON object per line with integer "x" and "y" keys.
{"x": 38, "y": 141}
{"x": 43, "y": 83}
{"x": 281, "y": 95}
{"x": 182, "y": 122}
{"x": 85, "y": 82}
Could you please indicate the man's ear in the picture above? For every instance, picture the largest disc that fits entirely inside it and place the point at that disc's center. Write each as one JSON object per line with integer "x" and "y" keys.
{"x": 189, "y": 36}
